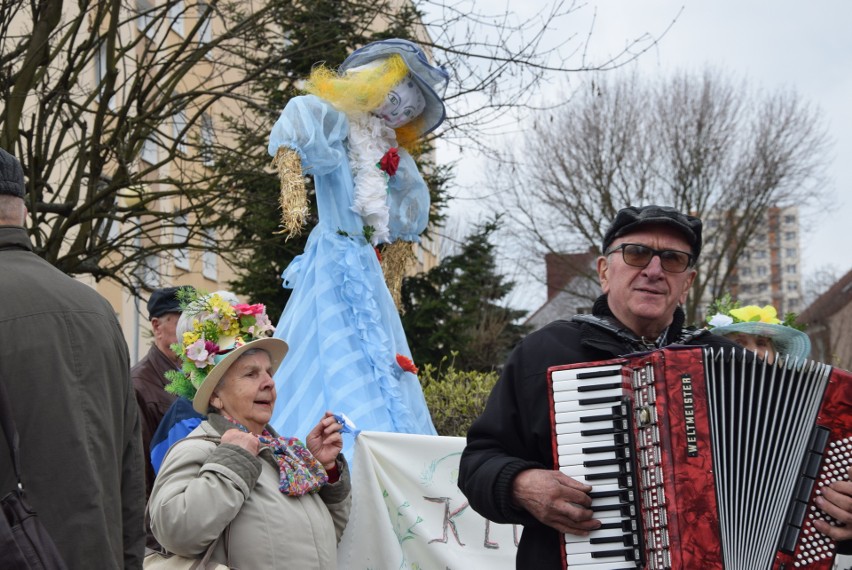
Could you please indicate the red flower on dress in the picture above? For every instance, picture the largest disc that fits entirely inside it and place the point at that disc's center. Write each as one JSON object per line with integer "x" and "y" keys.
{"x": 390, "y": 161}
{"x": 378, "y": 254}
{"x": 406, "y": 364}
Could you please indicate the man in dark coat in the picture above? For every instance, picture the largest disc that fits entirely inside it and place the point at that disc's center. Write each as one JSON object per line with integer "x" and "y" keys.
{"x": 148, "y": 374}
{"x": 506, "y": 469}
{"x": 65, "y": 366}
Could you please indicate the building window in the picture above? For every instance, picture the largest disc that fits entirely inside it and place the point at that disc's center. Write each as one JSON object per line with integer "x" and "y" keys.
{"x": 790, "y": 252}
{"x": 762, "y": 287}
{"x": 149, "y": 151}
{"x": 181, "y": 238}
{"x": 745, "y": 271}
{"x": 746, "y": 288}
{"x": 790, "y": 269}
{"x": 178, "y": 130}
{"x": 176, "y": 14}
{"x": 792, "y": 286}
{"x": 788, "y": 219}
{"x": 101, "y": 68}
{"x": 144, "y": 18}
{"x": 761, "y": 270}
{"x": 206, "y": 32}
{"x": 789, "y": 236}
{"x": 208, "y": 137}
{"x": 209, "y": 259}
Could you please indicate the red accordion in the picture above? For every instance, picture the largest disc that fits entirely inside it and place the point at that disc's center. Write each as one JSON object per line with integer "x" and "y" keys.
{"x": 702, "y": 459}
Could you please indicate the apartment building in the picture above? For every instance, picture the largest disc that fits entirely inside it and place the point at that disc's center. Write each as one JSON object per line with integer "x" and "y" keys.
{"x": 769, "y": 270}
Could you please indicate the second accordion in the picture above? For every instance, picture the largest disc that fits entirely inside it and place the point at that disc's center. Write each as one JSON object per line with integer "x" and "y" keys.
{"x": 701, "y": 458}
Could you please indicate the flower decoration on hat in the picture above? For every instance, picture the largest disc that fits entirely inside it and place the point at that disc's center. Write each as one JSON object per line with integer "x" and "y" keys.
{"x": 725, "y": 311}
{"x": 216, "y": 328}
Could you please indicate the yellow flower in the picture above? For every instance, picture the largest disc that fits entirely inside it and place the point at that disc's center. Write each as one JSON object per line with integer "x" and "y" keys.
{"x": 190, "y": 337}
{"x": 753, "y": 313}
{"x": 224, "y": 308}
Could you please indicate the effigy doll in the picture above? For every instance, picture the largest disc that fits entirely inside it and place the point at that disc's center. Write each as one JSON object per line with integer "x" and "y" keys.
{"x": 348, "y": 352}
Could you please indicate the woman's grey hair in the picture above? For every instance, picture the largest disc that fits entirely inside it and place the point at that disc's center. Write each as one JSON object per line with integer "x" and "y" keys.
{"x": 193, "y": 311}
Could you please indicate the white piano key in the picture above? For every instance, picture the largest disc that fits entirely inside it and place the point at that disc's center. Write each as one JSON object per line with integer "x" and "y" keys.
{"x": 577, "y": 439}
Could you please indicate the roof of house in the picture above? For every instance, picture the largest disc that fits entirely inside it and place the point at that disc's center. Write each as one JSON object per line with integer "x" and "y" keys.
{"x": 838, "y": 296}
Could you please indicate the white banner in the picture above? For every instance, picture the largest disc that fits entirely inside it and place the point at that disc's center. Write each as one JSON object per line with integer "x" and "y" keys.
{"x": 408, "y": 512}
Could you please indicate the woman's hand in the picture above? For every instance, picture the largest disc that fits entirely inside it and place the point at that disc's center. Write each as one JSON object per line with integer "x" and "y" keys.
{"x": 245, "y": 440}
{"x": 325, "y": 441}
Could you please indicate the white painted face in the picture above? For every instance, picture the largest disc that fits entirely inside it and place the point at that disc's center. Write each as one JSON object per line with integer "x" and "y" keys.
{"x": 404, "y": 103}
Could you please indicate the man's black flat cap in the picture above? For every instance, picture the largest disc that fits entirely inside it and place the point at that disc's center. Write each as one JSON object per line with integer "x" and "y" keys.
{"x": 11, "y": 175}
{"x": 632, "y": 218}
{"x": 164, "y": 301}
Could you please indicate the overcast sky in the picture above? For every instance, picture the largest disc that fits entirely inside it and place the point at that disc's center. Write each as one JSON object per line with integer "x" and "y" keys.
{"x": 777, "y": 44}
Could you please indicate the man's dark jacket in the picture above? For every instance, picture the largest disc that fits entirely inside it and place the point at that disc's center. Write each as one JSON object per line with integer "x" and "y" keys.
{"x": 513, "y": 433}
{"x": 149, "y": 382}
{"x": 64, "y": 363}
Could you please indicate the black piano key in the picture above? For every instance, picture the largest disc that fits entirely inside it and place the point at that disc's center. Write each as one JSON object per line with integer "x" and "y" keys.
{"x": 600, "y": 476}
{"x": 613, "y": 526}
{"x": 598, "y": 387}
{"x": 602, "y": 462}
{"x": 604, "y": 449}
{"x": 601, "y": 400}
{"x": 600, "y": 431}
{"x": 597, "y": 374}
{"x": 625, "y": 540}
{"x": 601, "y": 418}
{"x": 603, "y": 508}
{"x": 626, "y": 553}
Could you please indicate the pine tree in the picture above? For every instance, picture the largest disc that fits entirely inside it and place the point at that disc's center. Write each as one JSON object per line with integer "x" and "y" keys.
{"x": 455, "y": 311}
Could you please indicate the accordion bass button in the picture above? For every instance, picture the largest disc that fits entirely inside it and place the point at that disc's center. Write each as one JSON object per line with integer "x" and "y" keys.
{"x": 644, "y": 416}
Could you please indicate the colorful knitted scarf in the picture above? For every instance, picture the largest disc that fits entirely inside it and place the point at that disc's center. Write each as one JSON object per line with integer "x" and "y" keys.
{"x": 300, "y": 471}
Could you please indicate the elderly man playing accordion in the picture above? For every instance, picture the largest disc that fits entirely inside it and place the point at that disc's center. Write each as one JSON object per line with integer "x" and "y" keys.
{"x": 506, "y": 469}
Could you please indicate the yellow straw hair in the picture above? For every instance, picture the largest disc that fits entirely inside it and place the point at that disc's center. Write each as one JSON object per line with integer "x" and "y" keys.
{"x": 358, "y": 91}
{"x": 361, "y": 91}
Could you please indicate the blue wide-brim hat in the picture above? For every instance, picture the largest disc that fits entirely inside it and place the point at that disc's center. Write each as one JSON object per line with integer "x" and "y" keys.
{"x": 787, "y": 340}
{"x": 432, "y": 80}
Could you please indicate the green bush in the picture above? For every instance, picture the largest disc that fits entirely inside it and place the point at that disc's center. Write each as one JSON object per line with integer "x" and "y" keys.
{"x": 455, "y": 397}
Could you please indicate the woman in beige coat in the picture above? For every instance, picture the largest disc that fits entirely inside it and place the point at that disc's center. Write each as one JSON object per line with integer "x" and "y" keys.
{"x": 266, "y": 501}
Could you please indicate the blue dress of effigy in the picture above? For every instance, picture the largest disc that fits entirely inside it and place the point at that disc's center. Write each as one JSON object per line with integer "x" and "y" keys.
{"x": 341, "y": 324}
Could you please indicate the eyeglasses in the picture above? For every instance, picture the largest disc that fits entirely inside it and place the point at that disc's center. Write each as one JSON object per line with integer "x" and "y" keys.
{"x": 639, "y": 255}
